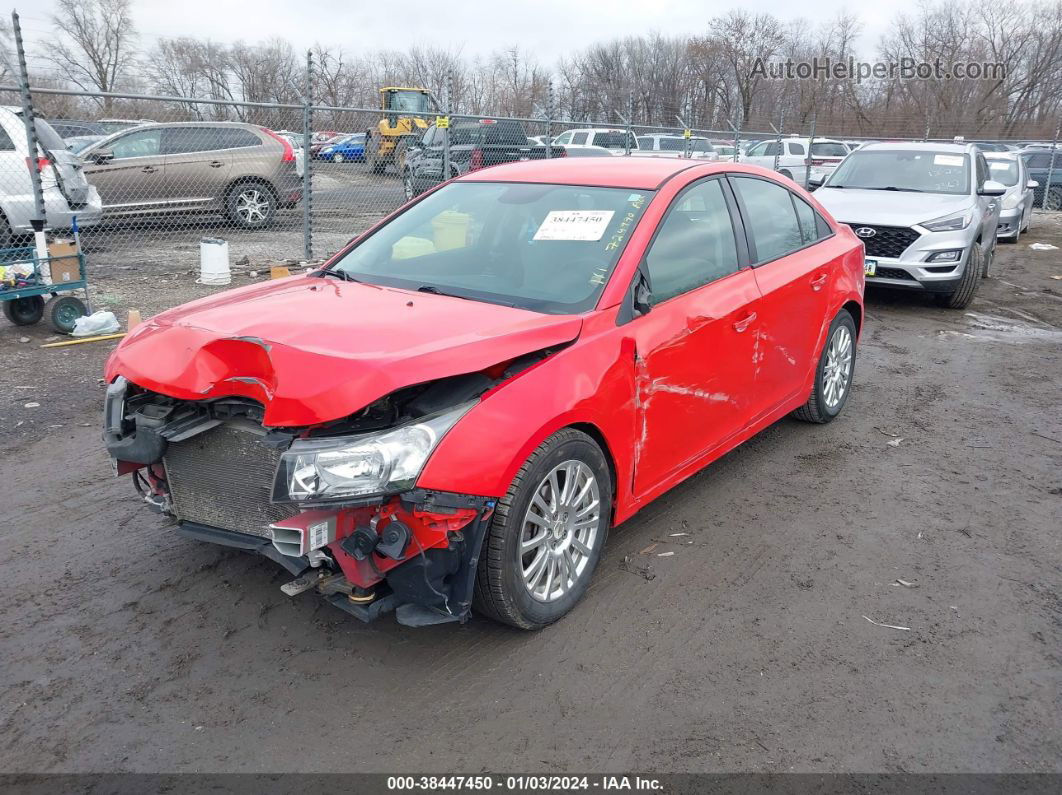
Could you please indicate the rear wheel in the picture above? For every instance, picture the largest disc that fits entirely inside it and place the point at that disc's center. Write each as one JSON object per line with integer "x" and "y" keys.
{"x": 833, "y": 376}
{"x": 24, "y": 311}
{"x": 546, "y": 536}
{"x": 63, "y": 311}
{"x": 251, "y": 206}
{"x": 961, "y": 297}
{"x": 338, "y": 158}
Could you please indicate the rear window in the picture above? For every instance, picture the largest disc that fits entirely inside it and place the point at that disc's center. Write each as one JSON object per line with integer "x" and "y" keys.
{"x": 236, "y": 138}
{"x": 828, "y": 150}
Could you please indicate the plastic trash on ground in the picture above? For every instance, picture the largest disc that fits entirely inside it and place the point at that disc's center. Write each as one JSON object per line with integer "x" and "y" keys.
{"x": 96, "y": 323}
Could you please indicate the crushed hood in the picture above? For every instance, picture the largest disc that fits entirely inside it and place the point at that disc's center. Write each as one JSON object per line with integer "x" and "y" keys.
{"x": 314, "y": 349}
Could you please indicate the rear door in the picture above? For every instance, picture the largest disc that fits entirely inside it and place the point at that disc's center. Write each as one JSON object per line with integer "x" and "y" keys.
{"x": 782, "y": 231}
{"x": 132, "y": 176}
{"x": 695, "y": 347}
{"x": 197, "y": 163}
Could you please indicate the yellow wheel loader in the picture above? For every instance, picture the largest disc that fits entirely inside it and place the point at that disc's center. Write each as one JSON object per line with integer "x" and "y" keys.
{"x": 408, "y": 113}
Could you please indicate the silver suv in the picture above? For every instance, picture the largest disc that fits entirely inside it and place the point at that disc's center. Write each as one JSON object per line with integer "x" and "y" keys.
{"x": 63, "y": 184}
{"x": 243, "y": 171}
{"x": 926, "y": 213}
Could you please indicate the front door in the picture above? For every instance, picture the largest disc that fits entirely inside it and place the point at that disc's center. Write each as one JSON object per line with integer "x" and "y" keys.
{"x": 133, "y": 176}
{"x": 695, "y": 347}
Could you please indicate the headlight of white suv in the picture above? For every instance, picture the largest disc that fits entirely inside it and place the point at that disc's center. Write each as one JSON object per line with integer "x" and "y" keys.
{"x": 349, "y": 467}
{"x": 949, "y": 223}
{"x": 1010, "y": 201}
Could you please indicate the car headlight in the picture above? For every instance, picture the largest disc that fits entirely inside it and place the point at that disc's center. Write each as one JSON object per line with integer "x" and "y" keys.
{"x": 1010, "y": 201}
{"x": 949, "y": 223}
{"x": 346, "y": 467}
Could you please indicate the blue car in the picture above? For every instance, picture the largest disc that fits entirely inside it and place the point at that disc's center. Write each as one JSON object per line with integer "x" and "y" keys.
{"x": 351, "y": 148}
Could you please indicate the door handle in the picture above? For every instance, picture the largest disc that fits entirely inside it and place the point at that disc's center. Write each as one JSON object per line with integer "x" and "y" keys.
{"x": 216, "y": 164}
{"x": 149, "y": 169}
{"x": 745, "y": 322}
{"x": 819, "y": 281}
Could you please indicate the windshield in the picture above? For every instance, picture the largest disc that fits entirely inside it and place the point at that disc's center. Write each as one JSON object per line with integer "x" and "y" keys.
{"x": 614, "y": 139}
{"x": 828, "y": 150}
{"x": 548, "y": 248}
{"x": 408, "y": 102}
{"x": 1004, "y": 171}
{"x": 906, "y": 170}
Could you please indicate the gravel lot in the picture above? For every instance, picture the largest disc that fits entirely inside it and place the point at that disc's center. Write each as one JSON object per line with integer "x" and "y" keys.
{"x": 127, "y": 648}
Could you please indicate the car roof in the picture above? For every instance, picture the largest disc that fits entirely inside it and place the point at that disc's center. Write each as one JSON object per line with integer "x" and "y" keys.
{"x": 1001, "y": 155}
{"x": 641, "y": 173}
{"x": 918, "y": 146}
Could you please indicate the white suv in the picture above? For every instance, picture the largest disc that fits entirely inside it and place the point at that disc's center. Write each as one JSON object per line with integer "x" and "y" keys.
{"x": 66, "y": 191}
{"x": 608, "y": 137}
{"x": 794, "y": 159}
{"x": 671, "y": 145}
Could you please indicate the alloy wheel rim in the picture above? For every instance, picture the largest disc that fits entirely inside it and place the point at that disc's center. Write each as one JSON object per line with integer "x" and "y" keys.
{"x": 559, "y": 529}
{"x": 251, "y": 206}
{"x": 838, "y": 370}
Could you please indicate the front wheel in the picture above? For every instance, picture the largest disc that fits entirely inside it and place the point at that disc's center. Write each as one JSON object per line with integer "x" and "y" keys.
{"x": 547, "y": 533}
{"x": 251, "y": 206}
{"x": 833, "y": 376}
{"x": 961, "y": 297}
{"x": 63, "y": 312}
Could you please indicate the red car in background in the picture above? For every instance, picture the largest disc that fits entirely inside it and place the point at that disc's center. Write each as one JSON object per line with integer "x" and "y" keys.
{"x": 457, "y": 408}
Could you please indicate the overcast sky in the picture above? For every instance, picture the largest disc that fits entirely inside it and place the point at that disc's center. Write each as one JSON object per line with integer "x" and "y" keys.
{"x": 548, "y": 28}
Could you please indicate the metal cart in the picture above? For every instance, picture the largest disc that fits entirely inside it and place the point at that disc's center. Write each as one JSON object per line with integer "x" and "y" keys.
{"x": 25, "y": 296}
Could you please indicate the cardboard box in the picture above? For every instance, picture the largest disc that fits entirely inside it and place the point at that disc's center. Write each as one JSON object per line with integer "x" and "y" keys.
{"x": 64, "y": 262}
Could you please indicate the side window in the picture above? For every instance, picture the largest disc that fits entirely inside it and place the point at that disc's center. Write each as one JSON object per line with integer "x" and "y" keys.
{"x": 771, "y": 149}
{"x": 6, "y": 144}
{"x": 757, "y": 150}
{"x": 695, "y": 244}
{"x": 646, "y": 143}
{"x": 236, "y": 138}
{"x": 143, "y": 143}
{"x": 564, "y": 138}
{"x": 185, "y": 140}
{"x": 796, "y": 149}
{"x": 770, "y": 218}
{"x": 811, "y": 226}
{"x": 1038, "y": 161}
{"x": 579, "y": 138}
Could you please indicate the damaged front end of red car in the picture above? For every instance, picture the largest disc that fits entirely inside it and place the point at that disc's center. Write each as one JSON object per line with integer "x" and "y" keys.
{"x": 229, "y": 480}
{"x": 306, "y": 449}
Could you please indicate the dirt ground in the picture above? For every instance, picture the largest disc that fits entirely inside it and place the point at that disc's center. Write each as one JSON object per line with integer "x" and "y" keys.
{"x": 751, "y": 648}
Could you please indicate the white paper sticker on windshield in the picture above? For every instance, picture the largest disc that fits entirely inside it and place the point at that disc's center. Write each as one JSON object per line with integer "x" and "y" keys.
{"x": 574, "y": 225}
{"x": 947, "y": 160}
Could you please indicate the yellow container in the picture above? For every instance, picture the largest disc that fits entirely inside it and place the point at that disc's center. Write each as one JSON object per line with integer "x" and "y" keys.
{"x": 451, "y": 230}
{"x": 409, "y": 247}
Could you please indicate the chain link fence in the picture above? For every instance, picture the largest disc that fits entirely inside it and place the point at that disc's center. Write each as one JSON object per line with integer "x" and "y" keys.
{"x": 148, "y": 177}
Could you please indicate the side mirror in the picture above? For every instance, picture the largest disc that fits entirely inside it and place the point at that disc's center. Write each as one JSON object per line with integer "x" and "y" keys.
{"x": 1032, "y": 183}
{"x": 101, "y": 156}
{"x": 992, "y": 188}
{"x": 639, "y": 298}
{"x": 815, "y": 182}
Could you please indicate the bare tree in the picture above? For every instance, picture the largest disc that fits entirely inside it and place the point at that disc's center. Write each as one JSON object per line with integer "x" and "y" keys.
{"x": 95, "y": 45}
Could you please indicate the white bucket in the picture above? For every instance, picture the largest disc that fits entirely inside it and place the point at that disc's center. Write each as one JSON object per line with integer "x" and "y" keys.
{"x": 214, "y": 261}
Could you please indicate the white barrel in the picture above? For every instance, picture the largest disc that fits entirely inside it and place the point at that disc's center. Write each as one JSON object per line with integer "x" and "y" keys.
{"x": 214, "y": 261}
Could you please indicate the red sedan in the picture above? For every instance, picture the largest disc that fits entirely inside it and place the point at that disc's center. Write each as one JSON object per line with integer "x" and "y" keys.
{"x": 458, "y": 406}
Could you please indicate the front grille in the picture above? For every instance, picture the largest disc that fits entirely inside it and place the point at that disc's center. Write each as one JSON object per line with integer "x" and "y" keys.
{"x": 223, "y": 478}
{"x": 887, "y": 241}
{"x": 893, "y": 273}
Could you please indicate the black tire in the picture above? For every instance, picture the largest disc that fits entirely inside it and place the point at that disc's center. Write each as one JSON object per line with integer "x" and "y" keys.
{"x": 24, "y": 311}
{"x": 63, "y": 311}
{"x": 961, "y": 297}
{"x": 251, "y": 205}
{"x": 338, "y": 158}
{"x": 500, "y": 592}
{"x": 819, "y": 408}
